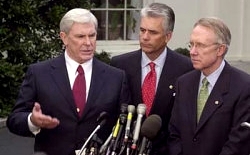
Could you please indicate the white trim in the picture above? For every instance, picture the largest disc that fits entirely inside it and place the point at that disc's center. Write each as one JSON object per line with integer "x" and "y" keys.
{"x": 117, "y": 47}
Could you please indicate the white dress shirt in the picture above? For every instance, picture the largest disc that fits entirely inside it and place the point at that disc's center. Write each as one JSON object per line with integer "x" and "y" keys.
{"x": 159, "y": 63}
{"x": 212, "y": 78}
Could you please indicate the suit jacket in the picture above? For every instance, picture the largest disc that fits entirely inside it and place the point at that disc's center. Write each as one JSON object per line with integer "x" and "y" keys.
{"x": 48, "y": 83}
{"x": 175, "y": 65}
{"x": 219, "y": 131}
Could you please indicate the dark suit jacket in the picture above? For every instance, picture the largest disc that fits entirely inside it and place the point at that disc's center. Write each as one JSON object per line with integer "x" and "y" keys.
{"x": 48, "y": 83}
{"x": 218, "y": 131}
{"x": 175, "y": 65}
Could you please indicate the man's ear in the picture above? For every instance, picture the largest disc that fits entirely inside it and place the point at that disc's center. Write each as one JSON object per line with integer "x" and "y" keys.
{"x": 222, "y": 50}
{"x": 168, "y": 36}
{"x": 63, "y": 37}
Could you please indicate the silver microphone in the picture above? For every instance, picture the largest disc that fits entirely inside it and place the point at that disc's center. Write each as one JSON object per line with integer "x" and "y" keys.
{"x": 131, "y": 110}
{"x": 141, "y": 109}
{"x": 105, "y": 145}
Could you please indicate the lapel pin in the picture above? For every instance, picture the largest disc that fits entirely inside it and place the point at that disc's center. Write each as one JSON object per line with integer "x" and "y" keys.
{"x": 171, "y": 86}
{"x": 216, "y": 102}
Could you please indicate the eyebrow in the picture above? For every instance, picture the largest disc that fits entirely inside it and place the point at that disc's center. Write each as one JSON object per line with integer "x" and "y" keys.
{"x": 150, "y": 30}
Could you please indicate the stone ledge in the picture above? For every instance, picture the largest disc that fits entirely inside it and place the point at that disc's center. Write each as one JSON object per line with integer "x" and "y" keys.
{"x": 3, "y": 122}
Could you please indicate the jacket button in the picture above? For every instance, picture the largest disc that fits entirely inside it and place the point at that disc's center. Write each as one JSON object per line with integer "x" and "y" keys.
{"x": 195, "y": 140}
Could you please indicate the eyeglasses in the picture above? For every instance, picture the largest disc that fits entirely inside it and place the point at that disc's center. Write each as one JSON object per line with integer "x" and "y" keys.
{"x": 200, "y": 46}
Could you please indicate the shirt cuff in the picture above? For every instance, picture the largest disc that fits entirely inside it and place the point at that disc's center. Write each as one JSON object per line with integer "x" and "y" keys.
{"x": 34, "y": 129}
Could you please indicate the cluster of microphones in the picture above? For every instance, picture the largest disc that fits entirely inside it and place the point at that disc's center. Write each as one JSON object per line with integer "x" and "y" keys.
{"x": 132, "y": 135}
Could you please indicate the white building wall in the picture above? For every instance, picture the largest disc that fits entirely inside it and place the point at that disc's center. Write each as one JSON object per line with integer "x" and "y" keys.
{"x": 235, "y": 13}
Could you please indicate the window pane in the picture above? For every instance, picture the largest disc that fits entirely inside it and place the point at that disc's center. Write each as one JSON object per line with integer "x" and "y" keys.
{"x": 117, "y": 21}
{"x": 133, "y": 24}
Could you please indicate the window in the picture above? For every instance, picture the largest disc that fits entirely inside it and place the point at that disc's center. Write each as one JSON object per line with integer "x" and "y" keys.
{"x": 117, "y": 19}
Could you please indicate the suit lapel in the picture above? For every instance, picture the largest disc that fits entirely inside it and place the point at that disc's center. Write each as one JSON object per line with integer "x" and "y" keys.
{"x": 166, "y": 85}
{"x": 167, "y": 75}
{"x": 135, "y": 76}
{"x": 96, "y": 85}
{"x": 215, "y": 100}
{"x": 192, "y": 89}
{"x": 60, "y": 76}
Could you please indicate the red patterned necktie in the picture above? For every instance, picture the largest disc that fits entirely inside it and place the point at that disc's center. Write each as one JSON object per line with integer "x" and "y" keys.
{"x": 79, "y": 90}
{"x": 148, "y": 87}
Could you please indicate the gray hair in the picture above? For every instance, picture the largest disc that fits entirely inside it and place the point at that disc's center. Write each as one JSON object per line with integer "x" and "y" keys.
{"x": 77, "y": 15}
{"x": 160, "y": 10}
{"x": 218, "y": 26}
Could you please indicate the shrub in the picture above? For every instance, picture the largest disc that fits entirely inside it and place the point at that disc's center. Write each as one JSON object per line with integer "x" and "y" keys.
{"x": 103, "y": 56}
{"x": 11, "y": 77}
{"x": 183, "y": 51}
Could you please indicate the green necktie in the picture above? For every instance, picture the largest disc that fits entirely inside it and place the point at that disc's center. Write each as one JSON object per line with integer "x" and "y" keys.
{"x": 202, "y": 98}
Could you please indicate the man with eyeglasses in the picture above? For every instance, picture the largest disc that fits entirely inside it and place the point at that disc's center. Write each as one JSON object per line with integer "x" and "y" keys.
{"x": 214, "y": 128}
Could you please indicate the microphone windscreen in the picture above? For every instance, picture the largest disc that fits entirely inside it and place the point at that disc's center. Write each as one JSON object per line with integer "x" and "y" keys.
{"x": 131, "y": 108}
{"x": 151, "y": 126}
{"x": 124, "y": 108}
{"x": 141, "y": 108}
{"x": 103, "y": 115}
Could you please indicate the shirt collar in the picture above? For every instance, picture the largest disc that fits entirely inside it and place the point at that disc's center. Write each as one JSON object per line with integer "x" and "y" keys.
{"x": 212, "y": 78}
{"x": 72, "y": 64}
{"x": 159, "y": 61}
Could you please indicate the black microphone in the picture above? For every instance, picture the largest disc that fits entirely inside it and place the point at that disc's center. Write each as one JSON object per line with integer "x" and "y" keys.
{"x": 122, "y": 122}
{"x": 92, "y": 147}
{"x": 131, "y": 110}
{"x": 111, "y": 142}
{"x": 149, "y": 130}
{"x": 102, "y": 119}
{"x": 141, "y": 109}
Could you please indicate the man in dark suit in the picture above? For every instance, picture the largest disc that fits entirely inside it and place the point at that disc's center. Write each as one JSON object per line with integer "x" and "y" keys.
{"x": 46, "y": 107}
{"x": 214, "y": 128}
{"x": 156, "y": 28}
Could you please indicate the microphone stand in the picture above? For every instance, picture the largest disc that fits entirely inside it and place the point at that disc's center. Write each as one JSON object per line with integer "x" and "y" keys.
{"x": 104, "y": 147}
{"x": 92, "y": 149}
{"x": 86, "y": 142}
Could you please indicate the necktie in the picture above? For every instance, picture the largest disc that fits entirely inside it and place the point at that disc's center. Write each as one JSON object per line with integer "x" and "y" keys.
{"x": 148, "y": 87}
{"x": 202, "y": 97}
{"x": 79, "y": 90}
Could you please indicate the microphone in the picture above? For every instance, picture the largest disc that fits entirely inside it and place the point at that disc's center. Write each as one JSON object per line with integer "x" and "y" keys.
{"x": 141, "y": 109}
{"x": 104, "y": 147}
{"x": 150, "y": 128}
{"x": 102, "y": 119}
{"x": 92, "y": 149}
{"x": 111, "y": 141}
{"x": 122, "y": 121}
{"x": 131, "y": 110}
